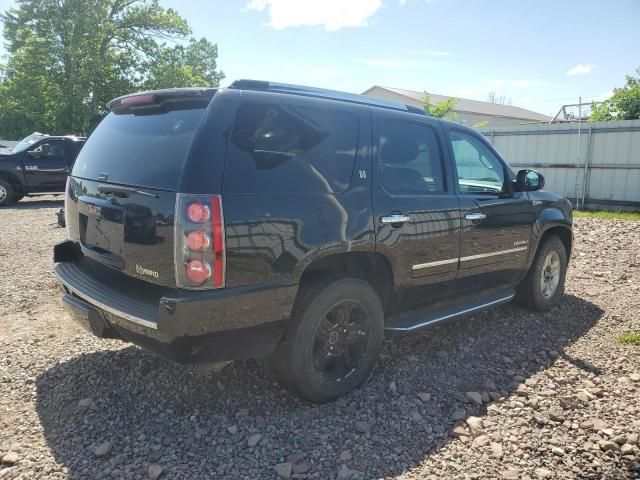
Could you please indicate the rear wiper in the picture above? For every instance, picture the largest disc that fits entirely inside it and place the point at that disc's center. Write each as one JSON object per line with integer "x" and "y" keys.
{"x": 119, "y": 189}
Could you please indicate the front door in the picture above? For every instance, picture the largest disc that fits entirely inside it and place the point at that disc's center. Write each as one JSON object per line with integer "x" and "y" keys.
{"x": 496, "y": 221}
{"x": 416, "y": 211}
{"x": 46, "y": 166}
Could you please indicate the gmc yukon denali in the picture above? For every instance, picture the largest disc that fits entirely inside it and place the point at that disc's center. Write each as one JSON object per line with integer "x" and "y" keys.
{"x": 298, "y": 224}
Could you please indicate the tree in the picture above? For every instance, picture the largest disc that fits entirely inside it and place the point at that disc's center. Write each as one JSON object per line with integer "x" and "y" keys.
{"x": 440, "y": 110}
{"x": 493, "y": 97}
{"x": 624, "y": 104}
{"x": 67, "y": 58}
{"x": 193, "y": 65}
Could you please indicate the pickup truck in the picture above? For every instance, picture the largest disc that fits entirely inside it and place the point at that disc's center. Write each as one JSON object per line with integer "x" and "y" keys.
{"x": 37, "y": 165}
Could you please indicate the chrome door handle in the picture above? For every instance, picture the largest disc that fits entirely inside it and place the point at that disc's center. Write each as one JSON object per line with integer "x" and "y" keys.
{"x": 395, "y": 219}
{"x": 475, "y": 216}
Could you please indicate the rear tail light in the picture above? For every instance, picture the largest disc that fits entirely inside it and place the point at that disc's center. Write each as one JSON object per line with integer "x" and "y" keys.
{"x": 198, "y": 271}
{"x": 199, "y": 242}
{"x": 198, "y": 212}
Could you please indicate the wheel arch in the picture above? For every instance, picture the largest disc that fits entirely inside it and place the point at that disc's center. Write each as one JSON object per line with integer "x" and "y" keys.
{"x": 552, "y": 221}
{"x": 13, "y": 180}
{"x": 372, "y": 267}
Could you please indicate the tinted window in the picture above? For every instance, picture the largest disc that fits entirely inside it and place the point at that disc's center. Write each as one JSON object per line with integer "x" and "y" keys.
{"x": 479, "y": 170}
{"x": 143, "y": 150}
{"x": 53, "y": 148}
{"x": 290, "y": 149}
{"x": 410, "y": 160}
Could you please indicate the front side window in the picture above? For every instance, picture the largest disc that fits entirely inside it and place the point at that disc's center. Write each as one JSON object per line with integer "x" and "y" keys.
{"x": 53, "y": 149}
{"x": 410, "y": 160}
{"x": 479, "y": 170}
{"x": 279, "y": 148}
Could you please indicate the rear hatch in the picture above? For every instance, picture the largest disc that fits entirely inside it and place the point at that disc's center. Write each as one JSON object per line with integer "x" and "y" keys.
{"x": 121, "y": 196}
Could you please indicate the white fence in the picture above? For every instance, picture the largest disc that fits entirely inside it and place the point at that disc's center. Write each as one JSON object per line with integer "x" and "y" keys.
{"x": 596, "y": 165}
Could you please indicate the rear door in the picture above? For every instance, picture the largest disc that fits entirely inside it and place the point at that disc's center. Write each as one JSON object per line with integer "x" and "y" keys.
{"x": 416, "y": 210}
{"x": 121, "y": 201}
{"x": 496, "y": 221}
{"x": 46, "y": 166}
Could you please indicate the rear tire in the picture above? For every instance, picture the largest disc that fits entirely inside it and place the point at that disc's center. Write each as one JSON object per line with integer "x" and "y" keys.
{"x": 543, "y": 286}
{"x": 334, "y": 338}
{"x": 7, "y": 194}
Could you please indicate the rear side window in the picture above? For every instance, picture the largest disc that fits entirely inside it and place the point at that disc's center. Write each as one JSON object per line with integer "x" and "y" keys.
{"x": 140, "y": 150}
{"x": 278, "y": 148}
{"x": 410, "y": 159}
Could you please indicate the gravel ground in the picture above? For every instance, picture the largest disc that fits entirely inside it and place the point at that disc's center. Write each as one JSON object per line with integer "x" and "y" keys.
{"x": 502, "y": 394}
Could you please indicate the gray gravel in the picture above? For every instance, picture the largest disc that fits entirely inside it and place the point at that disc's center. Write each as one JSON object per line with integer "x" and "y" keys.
{"x": 503, "y": 394}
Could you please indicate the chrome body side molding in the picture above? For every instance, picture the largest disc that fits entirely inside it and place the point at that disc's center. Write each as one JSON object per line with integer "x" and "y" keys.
{"x": 434, "y": 264}
{"x": 492, "y": 254}
{"x": 437, "y": 263}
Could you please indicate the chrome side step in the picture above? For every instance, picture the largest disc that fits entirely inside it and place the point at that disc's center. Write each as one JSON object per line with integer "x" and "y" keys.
{"x": 410, "y": 321}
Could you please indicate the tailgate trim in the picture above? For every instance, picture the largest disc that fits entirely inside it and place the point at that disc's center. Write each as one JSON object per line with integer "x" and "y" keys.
{"x": 101, "y": 305}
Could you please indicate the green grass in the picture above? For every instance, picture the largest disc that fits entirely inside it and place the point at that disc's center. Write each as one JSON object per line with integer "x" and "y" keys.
{"x": 630, "y": 338}
{"x": 606, "y": 215}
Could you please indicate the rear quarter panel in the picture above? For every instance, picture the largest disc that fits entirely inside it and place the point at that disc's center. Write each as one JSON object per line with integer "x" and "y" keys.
{"x": 274, "y": 237}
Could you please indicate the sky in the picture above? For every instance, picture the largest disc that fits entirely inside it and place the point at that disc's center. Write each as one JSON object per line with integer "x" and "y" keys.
{"x": 538, "y": 53}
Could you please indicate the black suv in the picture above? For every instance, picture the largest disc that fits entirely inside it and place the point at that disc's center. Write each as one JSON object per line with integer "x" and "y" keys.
{"x": 37, "y": 165}
{"x": 277, "y": 220}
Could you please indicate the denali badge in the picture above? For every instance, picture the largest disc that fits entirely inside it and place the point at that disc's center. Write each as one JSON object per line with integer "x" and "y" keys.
{"x": 94, "y": 209}
{"x": 145, "y": 271}
{"x": 517, "y": 243}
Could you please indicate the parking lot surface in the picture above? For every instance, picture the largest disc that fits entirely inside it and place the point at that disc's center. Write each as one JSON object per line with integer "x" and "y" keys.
{"x": 506, "y": 393}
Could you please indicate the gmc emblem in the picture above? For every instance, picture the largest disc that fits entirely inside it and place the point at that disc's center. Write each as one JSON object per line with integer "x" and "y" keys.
{"x": 94, "y": 209}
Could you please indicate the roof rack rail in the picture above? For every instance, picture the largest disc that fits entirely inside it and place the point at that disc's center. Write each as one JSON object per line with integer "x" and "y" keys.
{"x": 413, "y": 109}
{"x": 262, "y": 85}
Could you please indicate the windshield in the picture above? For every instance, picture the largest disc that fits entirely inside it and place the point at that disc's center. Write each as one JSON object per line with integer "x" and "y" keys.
{"x": 26, "y": 142}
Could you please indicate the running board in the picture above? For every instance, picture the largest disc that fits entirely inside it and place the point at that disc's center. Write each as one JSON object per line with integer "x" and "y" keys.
{"x": 413, "y": 320}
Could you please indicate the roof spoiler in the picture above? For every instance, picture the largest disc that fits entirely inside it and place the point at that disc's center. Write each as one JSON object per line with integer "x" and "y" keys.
{"x": 160, "y": 101}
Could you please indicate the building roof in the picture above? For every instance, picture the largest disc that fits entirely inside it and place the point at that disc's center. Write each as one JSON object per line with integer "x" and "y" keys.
{"x": 469, "y": 106}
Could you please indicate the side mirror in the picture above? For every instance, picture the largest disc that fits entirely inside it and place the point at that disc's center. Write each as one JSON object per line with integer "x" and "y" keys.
{"x": 529, "y": 180}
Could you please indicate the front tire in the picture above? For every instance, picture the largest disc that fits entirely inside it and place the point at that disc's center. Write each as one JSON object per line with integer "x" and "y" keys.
{"x": 7, "y": 194}
{"x": 543, "y": 286}
{"x": 333, "y": 341}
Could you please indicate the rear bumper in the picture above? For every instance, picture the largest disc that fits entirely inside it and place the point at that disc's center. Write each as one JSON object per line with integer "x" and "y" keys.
{"x": 187, "y": 326}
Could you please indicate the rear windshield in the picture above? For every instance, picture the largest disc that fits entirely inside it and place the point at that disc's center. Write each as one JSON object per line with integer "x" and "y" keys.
{"x": 139, "y": 150}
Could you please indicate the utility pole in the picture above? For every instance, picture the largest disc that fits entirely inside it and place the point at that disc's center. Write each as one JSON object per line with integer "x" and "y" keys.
{"x": 578, "y": 159}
